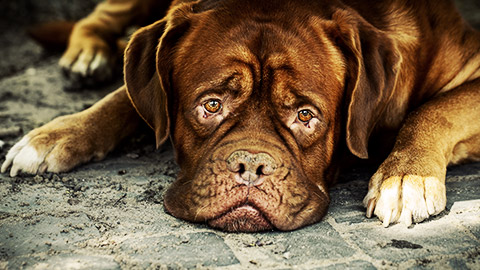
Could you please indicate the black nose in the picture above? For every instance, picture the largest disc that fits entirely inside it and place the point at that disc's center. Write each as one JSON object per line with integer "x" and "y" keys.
{"x": 250, "y": 168}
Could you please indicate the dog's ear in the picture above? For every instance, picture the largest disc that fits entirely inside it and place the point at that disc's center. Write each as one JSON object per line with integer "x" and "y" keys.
{"x": 372, "y": 61}
{"x": 148, "y": 62}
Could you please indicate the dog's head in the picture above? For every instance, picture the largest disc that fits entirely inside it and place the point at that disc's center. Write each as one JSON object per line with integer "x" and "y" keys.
{"x": 258, "y": 99}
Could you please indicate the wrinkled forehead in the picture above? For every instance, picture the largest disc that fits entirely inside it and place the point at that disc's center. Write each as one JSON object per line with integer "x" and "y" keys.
{"x": 251, "y": 54}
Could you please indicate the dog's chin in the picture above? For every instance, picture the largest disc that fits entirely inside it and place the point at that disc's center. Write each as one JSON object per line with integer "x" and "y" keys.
{"x": 245, "y": 218}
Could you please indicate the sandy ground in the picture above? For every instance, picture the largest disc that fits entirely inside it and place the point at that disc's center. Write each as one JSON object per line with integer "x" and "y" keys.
{"x": 109, "y": 215}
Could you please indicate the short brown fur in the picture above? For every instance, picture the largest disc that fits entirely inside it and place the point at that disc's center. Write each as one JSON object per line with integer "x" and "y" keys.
{"x": 397, "y": 78}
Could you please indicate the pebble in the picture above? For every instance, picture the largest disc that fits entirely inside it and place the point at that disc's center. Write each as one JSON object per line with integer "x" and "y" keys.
{"x": 133, "y": 155}
{"x": 10, "y": 132}
{"x": 38, "y": 179}
{"x": 31, "y": 71}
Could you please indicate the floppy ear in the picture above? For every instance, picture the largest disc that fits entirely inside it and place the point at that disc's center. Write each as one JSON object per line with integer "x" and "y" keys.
{"x": 148, "y": 62}
{"x": 372, "y": 70}
{"x": 142, "y": 81}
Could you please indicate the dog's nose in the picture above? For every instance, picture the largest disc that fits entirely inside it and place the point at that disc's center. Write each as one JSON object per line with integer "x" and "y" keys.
{"x": 251, "y": 167}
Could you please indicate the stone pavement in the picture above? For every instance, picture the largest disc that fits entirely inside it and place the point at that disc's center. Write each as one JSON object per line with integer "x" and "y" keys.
{"x": 109, "y": 215}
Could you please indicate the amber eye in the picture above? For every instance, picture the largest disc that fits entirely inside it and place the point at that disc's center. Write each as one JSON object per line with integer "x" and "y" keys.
{"x": 305, "y": 115}
{"x": 212, "y": 106}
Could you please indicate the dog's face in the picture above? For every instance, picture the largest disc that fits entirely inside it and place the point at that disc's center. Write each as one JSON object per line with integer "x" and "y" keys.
{"x": 254, "y": 110}
{"x": 254, "y": 124}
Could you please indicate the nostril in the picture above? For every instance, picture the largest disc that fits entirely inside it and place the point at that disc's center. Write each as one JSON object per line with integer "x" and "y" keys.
{"x": 265, "y": 169}
{"x": 260, "y": 170}
{"x": 241, "y": 168}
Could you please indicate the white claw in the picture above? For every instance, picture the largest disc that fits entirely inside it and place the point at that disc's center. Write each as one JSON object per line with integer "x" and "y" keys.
{"x": 370, "y": 208}
{"x": 82, "y": 63}
{"x": 14, "y": 171}
{"x": 5, "y": 165}
{"x": 387, "y": 218}
{"x": 430, "y": 207}
{"x": 407, "y": 217}
{"x": 42, "y": 168}
{"x": 64, "y": 62}
{"x": 99, "y": 61}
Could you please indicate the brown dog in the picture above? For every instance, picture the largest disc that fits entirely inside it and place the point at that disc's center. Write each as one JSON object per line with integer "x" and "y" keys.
{"x": 263, "y": 99}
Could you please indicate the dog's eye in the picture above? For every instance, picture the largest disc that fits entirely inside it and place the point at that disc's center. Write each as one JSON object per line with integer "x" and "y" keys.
{"x": 305, "y": 116}
{"x": 212, "y": 106}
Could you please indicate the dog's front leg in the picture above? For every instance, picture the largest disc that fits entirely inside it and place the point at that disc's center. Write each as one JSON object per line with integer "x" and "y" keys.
{"x": 409, "y": 185}
{"x": 70, "y": 140}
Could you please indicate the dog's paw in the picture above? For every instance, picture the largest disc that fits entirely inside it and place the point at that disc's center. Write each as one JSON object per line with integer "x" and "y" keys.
{"x": 88, "y": 58}
{"x": 55, "y": 147}
{"x": 405, "y": 191}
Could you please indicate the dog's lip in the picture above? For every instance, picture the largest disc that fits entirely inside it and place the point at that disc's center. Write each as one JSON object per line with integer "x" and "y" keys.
{"x": 243, "y": 218}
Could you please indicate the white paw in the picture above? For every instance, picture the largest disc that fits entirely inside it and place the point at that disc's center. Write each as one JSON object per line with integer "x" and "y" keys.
{"x": 22, "y": 157}
{"x": 27, "y": 158}
{"x": 55, "y": 147}
{"x": 405, "y": 199}
{"x": 88, "y": 57}
{"x": 95, "y": 66}
{"x": 88, "y": 64}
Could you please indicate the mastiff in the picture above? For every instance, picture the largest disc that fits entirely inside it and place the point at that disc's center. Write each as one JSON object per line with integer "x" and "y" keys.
{"x": 264, "y": 101}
